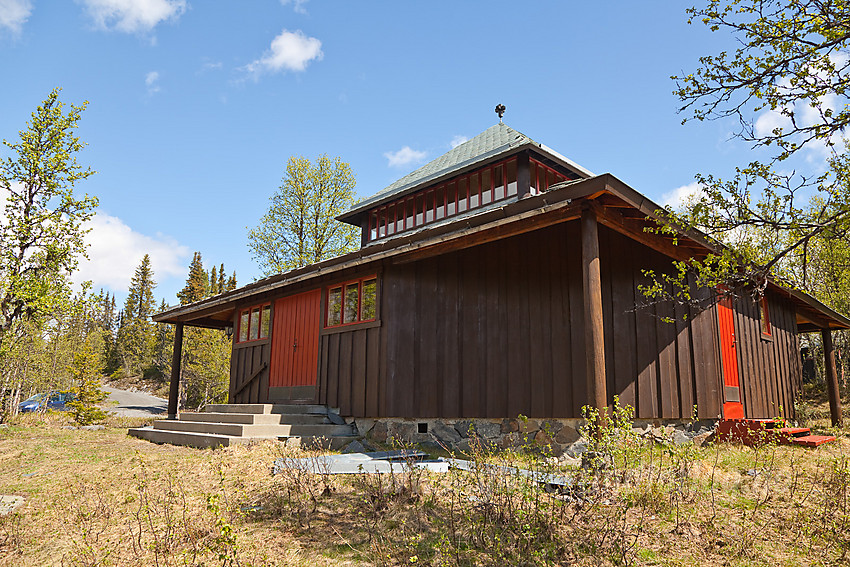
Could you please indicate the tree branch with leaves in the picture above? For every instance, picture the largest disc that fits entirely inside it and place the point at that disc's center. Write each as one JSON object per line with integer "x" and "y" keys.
{"x": 792, "y": 69}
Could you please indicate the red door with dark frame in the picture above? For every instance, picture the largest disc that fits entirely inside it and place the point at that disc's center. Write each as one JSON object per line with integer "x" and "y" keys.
{"x": 295, "y": 340}
{"x": 732, "y": 406}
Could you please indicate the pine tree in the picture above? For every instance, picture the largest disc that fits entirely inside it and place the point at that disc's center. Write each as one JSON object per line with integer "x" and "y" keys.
{"x": 197, "y": 283}
{"x": 86, "y": 371}
{"x": 135, "y": 338}
{"x": 213, "y": 287}
{"x": 206, "y": 352}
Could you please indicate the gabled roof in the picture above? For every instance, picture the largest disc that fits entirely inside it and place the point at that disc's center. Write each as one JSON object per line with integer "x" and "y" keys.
{"x": 495, "y": 141}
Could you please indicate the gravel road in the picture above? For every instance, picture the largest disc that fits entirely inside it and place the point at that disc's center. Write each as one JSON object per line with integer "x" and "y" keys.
{"x": 134, "y": 404}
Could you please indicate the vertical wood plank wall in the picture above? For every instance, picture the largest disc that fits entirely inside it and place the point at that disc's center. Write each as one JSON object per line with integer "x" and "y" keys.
{"x": 498, "y": 330}
{"x": 244, "y": 361}
{"x": 765, "y": 364}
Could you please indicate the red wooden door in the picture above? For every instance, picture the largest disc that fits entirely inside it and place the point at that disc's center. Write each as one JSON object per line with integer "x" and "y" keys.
{"x": 295, "y": 340}
{"x": 732, "y": 407}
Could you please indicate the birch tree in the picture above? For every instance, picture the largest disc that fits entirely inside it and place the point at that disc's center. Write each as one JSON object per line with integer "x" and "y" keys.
{"x": 42, "y": 232}
{"x": 300, "y": 226}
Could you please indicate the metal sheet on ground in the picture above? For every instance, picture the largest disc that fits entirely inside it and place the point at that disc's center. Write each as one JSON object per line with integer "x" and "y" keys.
{"x": 354, "y": 463}
{"x": 536, "y": 476}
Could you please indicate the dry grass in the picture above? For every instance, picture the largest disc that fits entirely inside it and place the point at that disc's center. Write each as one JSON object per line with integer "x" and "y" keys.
{"x": 102, "y": 498}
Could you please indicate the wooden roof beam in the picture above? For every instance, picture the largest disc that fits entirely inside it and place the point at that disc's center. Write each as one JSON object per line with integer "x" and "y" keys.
{"x": 615, "y": 221}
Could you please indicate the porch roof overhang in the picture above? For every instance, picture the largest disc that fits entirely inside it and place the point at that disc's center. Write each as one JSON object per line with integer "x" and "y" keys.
{"x": 617, "y": 205}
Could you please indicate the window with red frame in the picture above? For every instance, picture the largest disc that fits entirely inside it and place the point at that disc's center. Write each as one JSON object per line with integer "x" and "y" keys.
{"x": 352, "y": 302}
{"x": 487, "y": 185}
{"x": 764, "y": 316}
{"x": 254, "y": 323}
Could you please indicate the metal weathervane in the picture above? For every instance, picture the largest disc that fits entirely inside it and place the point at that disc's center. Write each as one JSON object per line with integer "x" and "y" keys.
{"x": 500, "y": 110}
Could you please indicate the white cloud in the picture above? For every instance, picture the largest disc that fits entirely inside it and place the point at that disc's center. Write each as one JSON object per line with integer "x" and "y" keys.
{"x": 133, "y": 16}
{"x": 458, "y": 140}
{"x": 297, "y": 5}
{"x": 115, "y": 251}
{"x": 152, "y": 82}
{"x": 291, "y": 51}
{"x": 816, "y": 151}
{"x": 676, "y": 198}
{"x": 405, "y": 156}
{"x": 14, "y": 14}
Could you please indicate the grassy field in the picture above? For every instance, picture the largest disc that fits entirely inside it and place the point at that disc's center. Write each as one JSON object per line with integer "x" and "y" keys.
{"x": 103, "y": 498}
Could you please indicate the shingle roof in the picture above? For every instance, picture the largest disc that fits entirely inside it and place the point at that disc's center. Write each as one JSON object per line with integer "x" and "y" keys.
{"x": 491, "y": 142}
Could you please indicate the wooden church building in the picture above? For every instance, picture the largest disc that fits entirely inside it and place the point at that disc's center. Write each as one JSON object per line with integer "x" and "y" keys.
{"x": 502, "y": 279}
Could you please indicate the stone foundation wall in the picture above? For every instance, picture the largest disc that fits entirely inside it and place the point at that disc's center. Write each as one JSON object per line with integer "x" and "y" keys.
{"x": 558, "y": 436}
{"x": 458, "y": 434}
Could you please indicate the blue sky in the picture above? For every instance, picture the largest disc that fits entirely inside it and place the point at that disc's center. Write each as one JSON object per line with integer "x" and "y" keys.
{"x": 195, "y": 106}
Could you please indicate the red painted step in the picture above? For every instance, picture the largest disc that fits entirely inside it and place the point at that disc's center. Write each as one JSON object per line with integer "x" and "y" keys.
{"x": 794, "y": 431}
{"x": 812, "y": 440}
{"x": 752, "y": 432}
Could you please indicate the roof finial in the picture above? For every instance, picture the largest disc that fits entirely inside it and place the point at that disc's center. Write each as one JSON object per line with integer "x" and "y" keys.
{"x": 500, "y": 110}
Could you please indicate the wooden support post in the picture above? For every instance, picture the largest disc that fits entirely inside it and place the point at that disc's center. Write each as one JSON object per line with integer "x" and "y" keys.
{"x": 593, "y": 329}
{"x": 176, "y": 357}
{"x": 523, "y": 175}
{"x": 364, "y": 229}
{"x": 831, "y": 378}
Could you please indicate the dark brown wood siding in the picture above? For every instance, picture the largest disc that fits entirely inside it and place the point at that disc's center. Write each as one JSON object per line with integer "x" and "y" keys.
{"x": 349, "y": 365}
{"x": 245, "y": 361}
{"x": 769, "y": 367}
{"x": 498, "y": 330}
{"x": 662, "y": 359}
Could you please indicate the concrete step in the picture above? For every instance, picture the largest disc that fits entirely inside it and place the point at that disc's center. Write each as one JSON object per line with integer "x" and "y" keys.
{"x": 245, "y": 428}
{"x": 256, "y": 418}
{"x": 200, "y": 440}
{"x": 301, "y": 408}
{"x": 247, "y": 418}
{"x": 324, "y": 430}
{"x": 238, "y": 408}
{"x": 233, "y": 429}
{"x": 267, "y": 408}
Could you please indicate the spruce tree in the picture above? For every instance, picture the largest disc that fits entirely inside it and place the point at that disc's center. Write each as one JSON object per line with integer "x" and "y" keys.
{"x": 136, "y": 336}
{"x": 86, "y": 373}
{"x": 213, "y": 287}
{"x": 197, "y": 283}
{"x": 206, "y": 352}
